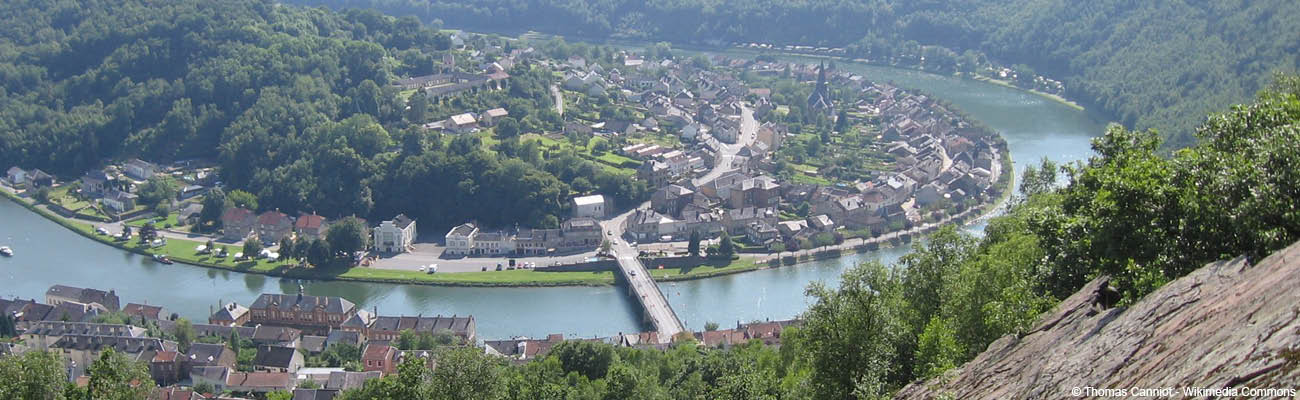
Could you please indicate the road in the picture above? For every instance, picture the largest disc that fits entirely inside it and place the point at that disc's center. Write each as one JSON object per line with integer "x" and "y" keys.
{"x": 652, "y": 300}
{"x": 559, "y": 100}
{"x": 727, "y": 152}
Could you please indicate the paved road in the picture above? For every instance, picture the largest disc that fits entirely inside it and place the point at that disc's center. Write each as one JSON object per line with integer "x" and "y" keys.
{"x": 559, "y": 100}
{"x": 727, "y": 153}
{"x": 652, "y": 300}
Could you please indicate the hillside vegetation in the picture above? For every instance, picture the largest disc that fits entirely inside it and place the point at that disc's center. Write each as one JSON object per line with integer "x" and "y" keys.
{"x": 294, "y": 103}
{"x": 1146, "y": 64}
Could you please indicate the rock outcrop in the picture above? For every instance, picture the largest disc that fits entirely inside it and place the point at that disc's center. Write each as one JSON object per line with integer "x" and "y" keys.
{"x": 1227, "y": 325}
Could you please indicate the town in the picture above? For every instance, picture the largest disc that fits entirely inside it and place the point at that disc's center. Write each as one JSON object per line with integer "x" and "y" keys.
{"x": 739, "y": 159}
{"x": 313, "y": 346}
{"x": 775, "y": 169}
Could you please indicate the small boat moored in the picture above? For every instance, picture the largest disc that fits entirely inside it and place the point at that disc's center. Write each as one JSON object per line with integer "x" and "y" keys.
{"x": 6, "y": 251}
{"x": 162, "y": 259}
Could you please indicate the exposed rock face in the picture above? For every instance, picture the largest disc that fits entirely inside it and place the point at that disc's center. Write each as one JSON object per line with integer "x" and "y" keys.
{"x": 1226, "y": 325}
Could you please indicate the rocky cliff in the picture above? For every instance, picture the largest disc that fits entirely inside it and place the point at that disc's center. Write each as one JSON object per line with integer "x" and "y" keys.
{"x": 1227, "y": 325}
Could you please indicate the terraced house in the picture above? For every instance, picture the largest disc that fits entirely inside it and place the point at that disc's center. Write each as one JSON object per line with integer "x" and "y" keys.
{"x": 315, "y": 315}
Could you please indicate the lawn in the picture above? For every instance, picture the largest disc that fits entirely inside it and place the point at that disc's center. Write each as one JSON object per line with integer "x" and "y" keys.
{"x": 742, "y": 264}
{"x": 172, "y": 220}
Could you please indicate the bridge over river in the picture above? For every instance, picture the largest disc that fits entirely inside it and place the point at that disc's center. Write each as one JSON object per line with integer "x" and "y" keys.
{"x": 654, "y": 305}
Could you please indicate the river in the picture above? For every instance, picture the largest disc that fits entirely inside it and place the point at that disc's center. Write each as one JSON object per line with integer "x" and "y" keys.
{"x": 48, "y": 254}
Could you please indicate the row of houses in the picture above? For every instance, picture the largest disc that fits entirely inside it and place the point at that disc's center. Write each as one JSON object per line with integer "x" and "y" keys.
{"x": 270, "y": 226}
{"x": 574, "y": 235}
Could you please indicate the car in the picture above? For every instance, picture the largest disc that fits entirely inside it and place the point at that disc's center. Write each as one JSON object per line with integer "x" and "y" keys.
{"x": 633, "y": 272}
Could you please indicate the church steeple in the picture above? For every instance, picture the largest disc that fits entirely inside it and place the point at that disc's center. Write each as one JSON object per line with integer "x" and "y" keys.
{"x": 820, "y": 98}
{"x": 821, "y": 78}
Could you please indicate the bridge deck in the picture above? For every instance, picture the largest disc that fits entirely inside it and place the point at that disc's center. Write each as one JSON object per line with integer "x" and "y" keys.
{"x": 649, "y": 296}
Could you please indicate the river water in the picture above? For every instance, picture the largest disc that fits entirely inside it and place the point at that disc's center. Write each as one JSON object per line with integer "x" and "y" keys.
{"x": 48, "y": 254}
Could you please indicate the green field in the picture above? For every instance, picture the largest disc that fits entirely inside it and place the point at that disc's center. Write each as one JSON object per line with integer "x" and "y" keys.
{"x": 742, "y": 264}
{"x": 172, "y": 219}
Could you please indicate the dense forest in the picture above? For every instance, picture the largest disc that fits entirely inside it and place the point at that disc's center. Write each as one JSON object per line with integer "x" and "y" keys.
{"x": 294, "y": 103}
{"x": 1127, "y": 212}
{"x": 1145, "y": 64}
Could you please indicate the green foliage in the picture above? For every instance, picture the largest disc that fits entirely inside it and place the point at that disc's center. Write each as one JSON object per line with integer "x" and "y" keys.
{"x": 726, "y": 248}
{"x": 214, "y": 204}
{"x": 347, "y": 235}
{"x": 937, "y": 349}
{"x": 1145, "y": 219}
{"x": 252, "y": 247}
{"x": 160, "y": 189}
{"x": 242, "y": 199}
{"x": 184, "y": 334}
{"x": 693, "y": 245}
{"x": 592, "y": 360}
{"x": 114, "y": 377}
{"x": 33, "y": 375}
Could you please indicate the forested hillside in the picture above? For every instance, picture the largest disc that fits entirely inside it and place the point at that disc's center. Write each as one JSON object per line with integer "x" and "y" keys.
{"x": 294, "y": 103}
{"x": 1158, "y": 64}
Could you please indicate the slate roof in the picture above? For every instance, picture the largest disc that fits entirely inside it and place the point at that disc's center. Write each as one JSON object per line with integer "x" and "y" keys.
{"x": 314, "y": 394}
{"x": 266, "y": 333}
{"x": 337, "y": 336}
{"x": 402, "y": 221}
{"x": 287, "y": 302}
{"x": 457, "y": 325}
{"x": 274, "y": 356}
{"x": 313, "y": 344}
{"x": 346, "y": 380}
{"x": 206, "y": 353}
{"x": 230, "y": 312}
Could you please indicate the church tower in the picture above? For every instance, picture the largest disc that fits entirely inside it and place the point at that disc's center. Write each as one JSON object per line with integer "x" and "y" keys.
{"x": 820, "y": 99}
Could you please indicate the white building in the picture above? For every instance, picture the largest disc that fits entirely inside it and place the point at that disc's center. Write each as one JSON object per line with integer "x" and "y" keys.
{"x": 460, "y": 240}
{"x": 589, "y": 206}
{"x": 395, "y": 235}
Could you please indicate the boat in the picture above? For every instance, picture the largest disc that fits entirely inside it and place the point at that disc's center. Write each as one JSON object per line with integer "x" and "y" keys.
{"x": 162, "y": 259}
{"x": 6, "y": 251}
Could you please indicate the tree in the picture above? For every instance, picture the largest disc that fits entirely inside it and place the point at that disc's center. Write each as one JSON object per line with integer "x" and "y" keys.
{"x": 508, "y": 127}
{"x": 319, "y": 253}
{"x": 693, "y": 245}
{"x": 605, "y": 246}
{"x": 33, "y": 375}
{"x": 42, "y": 195}
{"x": 853, "y": 335}
{"x": 252, "y": 247}
{"x": 286, "y": 249}
{"x": 347, "y": 235}
{"x": 204, "y": 388}
{"x": 159, "y": 189}
{"x": 464, "y": 373}
{"x": 937, "y": 349}
{"x": 710, "y": 326}
{"x": 114, "y": 377}
{"x": 726, "y": 249}
{"x": 279, "y": 395}
{"x": 214, "y": 204}
{"x": 592, "y": 360}
{"x": 185, "y": 334}
{"x": 842, "y": 122}
{"x": 242, "y": 199}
